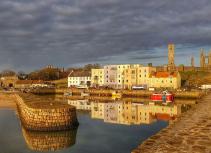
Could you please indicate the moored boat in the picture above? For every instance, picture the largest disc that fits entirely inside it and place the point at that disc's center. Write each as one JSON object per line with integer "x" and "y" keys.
{"x": 164, "y": 96}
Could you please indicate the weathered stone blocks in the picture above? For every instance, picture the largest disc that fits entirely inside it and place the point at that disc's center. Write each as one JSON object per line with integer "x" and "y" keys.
{"x": 46, "y": 116}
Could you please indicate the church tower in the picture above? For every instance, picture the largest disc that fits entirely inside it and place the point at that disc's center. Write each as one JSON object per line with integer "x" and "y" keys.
{"x": 171, "y": 65}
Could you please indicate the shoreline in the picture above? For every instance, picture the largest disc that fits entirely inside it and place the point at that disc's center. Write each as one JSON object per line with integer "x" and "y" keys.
{"x": 188, "y": 133}
{"x": 123, "y": 93}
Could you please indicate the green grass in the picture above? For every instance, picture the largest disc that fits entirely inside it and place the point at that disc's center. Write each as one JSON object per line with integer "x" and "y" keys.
{"x": 196, "y": 77}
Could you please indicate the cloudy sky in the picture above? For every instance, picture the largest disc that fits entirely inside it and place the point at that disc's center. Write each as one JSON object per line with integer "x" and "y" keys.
{"x": 35, "y": 33}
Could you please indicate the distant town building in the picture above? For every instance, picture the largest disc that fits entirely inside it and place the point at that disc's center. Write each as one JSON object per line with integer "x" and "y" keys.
{"x": 79, "y": 78}
{"x": 8, "y": 81}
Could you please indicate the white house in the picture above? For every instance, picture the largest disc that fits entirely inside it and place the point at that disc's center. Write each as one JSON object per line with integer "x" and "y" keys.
{"x": 79, "y": 79}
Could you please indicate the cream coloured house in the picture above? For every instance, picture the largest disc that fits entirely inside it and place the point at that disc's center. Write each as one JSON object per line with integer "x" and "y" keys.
{"x": 97, "y": 77}
{"x": 165, "y": 80}
{"x": 137, "y": 75}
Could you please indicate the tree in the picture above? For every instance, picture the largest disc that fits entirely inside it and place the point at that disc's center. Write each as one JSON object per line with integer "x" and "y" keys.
{"x": 8, "y": 72}
{"x": 88, "y": 67}
{"x": 22, "y": 75}
{"x": 45, "y": 74}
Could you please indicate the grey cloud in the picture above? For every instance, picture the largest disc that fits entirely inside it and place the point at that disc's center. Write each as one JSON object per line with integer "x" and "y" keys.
{"x": 64, "y": 33}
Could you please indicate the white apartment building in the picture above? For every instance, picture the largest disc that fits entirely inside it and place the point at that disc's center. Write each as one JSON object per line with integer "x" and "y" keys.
{"x": 76, "y": 78}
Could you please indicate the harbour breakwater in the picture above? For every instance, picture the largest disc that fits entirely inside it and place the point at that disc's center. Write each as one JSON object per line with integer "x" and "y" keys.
{"x": 45, "y": 116}
{"x": 110, "y": 92}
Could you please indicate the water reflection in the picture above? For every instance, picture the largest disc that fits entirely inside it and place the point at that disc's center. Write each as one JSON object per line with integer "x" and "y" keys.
{"x": 49, "y": 141}
{"x": 128, "y": 112}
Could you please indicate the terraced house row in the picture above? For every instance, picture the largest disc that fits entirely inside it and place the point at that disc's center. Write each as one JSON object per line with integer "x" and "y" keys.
{"x": 127, "y": 76}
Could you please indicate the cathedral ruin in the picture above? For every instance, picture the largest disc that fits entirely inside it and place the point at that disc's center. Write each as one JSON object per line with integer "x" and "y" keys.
{"x": 205, "y": 61}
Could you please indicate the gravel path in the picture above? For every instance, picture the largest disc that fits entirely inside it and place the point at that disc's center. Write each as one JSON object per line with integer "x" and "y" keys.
{"x": 191, "y": 133}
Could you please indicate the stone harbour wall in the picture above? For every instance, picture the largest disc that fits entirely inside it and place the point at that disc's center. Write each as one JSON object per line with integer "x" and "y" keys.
{"x": 46, "y": 119}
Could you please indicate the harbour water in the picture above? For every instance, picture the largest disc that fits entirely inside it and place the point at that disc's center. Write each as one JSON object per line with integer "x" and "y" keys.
{"x": 105, "y": 127}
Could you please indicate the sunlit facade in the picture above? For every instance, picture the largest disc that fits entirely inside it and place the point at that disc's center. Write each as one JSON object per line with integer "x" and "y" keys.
{"x": 165, "y": 80}
{"x": 97, "y": 77}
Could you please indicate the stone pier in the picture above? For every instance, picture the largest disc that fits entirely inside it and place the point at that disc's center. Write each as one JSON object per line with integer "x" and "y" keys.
{"x": 190, "y": 133}
{"x": 45, "y": 116}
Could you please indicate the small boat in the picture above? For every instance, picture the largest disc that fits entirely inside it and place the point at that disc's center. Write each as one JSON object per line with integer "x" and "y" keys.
{"x": 116, "y": 95}
{"x": 164, "y": 96}
{"x": 68, "y": 94}
{"x": 83, "y": 94}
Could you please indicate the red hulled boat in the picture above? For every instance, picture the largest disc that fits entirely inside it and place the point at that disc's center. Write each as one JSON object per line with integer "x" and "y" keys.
{"x": 164, "y": 96}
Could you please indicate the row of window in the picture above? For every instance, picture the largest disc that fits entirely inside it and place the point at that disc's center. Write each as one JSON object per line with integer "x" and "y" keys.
{"x": 79, "y": 78}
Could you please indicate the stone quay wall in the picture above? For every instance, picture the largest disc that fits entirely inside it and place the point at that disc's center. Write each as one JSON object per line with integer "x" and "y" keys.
{"x": 189, "y": 133}
{"x": 124, "y": 93}
{"x": 49, "y": 141}
{"x": 46, "y": 119}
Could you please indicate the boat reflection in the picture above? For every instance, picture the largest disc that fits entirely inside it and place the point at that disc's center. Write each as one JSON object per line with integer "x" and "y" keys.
{"x": 49, "y": 141}
{"x": 129, "y": 112}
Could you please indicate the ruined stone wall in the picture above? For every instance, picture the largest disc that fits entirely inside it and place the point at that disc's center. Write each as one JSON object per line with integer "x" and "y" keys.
{"x": 46, "y": 119}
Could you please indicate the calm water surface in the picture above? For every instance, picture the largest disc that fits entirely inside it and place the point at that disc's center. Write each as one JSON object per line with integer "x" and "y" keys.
{"x": 117, "y": 130}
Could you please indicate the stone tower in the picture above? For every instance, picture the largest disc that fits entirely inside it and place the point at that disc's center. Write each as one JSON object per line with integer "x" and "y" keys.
{"x": 171, "y": 65}
{"x": 202, "y": 59}
{"x": 192, "y": 61}
{"x": 209, "y": 59}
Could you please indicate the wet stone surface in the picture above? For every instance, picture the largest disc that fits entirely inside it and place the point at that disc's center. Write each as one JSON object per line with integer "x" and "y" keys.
{"x": 191, "y": 133}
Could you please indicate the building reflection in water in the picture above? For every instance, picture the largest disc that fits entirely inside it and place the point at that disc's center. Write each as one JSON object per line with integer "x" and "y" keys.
{"x": 49, "y": 141}
{"x": 129, "y": 113}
